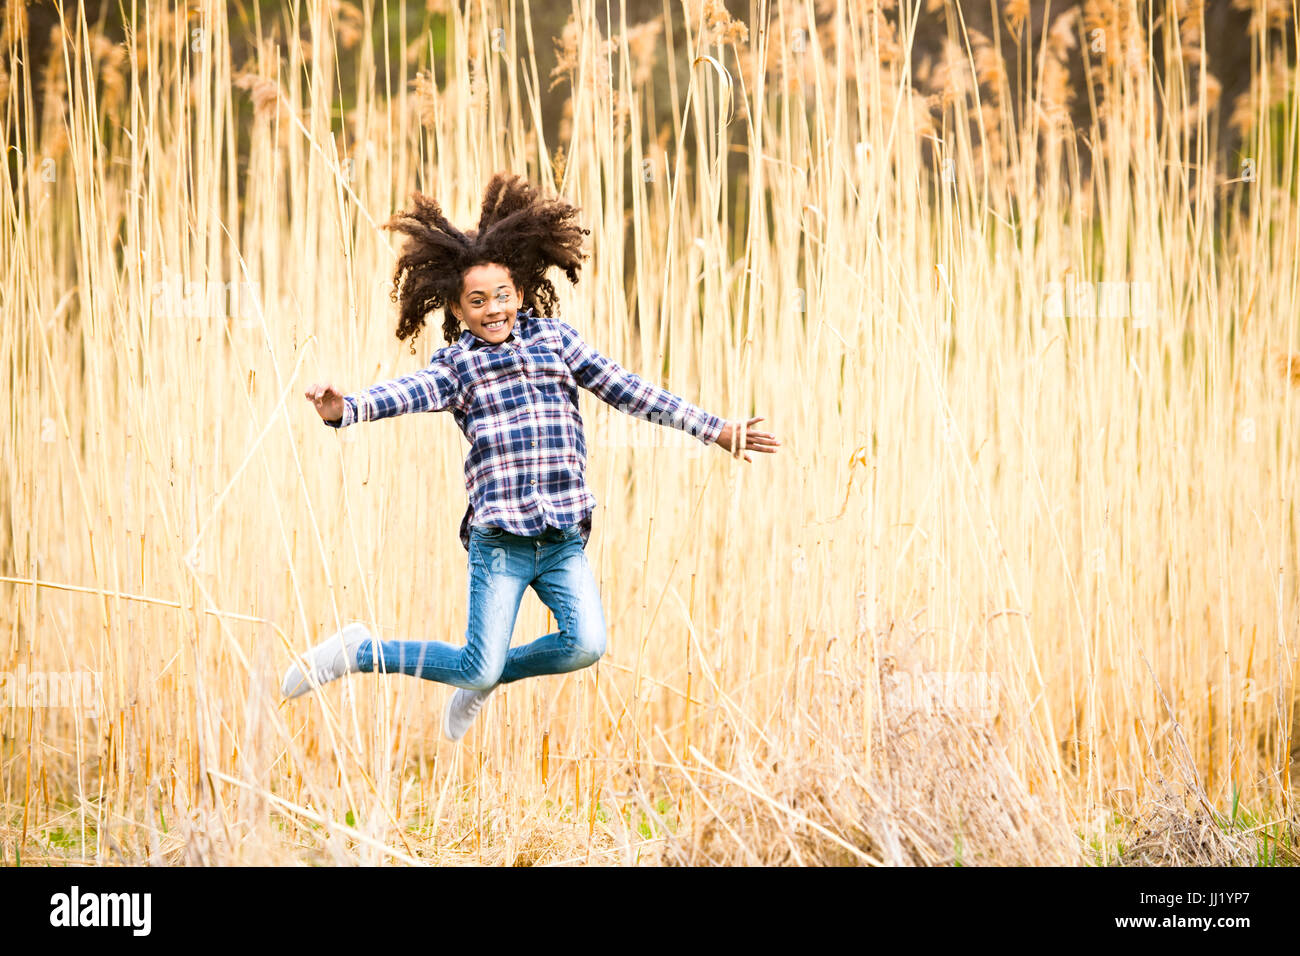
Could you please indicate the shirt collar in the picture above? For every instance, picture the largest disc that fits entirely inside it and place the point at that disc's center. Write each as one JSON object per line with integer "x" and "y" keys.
{"x": 469, "y": 341}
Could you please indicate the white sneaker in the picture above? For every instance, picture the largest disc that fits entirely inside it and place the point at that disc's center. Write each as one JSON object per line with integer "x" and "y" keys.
{"x": 327, "y": 661}
{"x": 461, "y": 711}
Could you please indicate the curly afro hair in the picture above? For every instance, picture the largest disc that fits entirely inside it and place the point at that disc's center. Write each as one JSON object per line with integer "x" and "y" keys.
{"x": 517, "y": 228}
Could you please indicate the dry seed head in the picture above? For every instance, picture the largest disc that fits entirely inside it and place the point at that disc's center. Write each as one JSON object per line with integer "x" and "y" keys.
{"x": 55, "y": 139}
{"x": 642, "y": 46}
{"x": 350, "y": 24}
{"x": 566, "y": 53}
{"x": 1102, "y": 21}
{"x": 1061, "y": 38}
{"x": 100, "y": 46}
{"x": 112, "y": 59}
{"x": 708, "y": 19}
{"x": 720, "y": 27}
{"x": 263, "y": 91}
{"x": 922, "y": 118}
{"x": 990, "y": 69}
{"x": 1191, "y": 19}
{"x": 884, "y": 37}
{"x": 558, "y": 163}
{"x": 52, "y": 75}
{"x": 1016, "y": 13}
{"x": 597, "y": 81}
{"x": 1056, "y": 94}
{"x": 1098, "y": 15}
{"x": 55, "y": 142}
{"x": 426, "y": 98}
{"x": 736, "y": 34}
{"x": 15, "y": 25}
{"x": 1135, "y": 48}
{"x": 1213, "y": 90}
{"x": 952, "y": 78}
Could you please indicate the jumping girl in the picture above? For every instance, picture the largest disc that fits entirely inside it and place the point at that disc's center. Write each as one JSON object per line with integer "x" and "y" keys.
{"x": 510, "y": 379}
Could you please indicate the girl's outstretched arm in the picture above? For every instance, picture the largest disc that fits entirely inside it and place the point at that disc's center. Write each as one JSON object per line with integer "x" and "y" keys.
{"x": 430, "y": 389}
{"x": 630, "y": 393}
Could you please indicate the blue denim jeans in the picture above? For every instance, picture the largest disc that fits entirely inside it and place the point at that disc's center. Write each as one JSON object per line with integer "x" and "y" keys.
{"x": 501, "y": 565}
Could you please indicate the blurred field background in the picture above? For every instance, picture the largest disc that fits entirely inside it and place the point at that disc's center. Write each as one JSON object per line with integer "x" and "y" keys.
{"x": 1015, "y": 284}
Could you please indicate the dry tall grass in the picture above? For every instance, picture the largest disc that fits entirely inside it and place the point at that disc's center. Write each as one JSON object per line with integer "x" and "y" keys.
{"x": 983, "y": 473}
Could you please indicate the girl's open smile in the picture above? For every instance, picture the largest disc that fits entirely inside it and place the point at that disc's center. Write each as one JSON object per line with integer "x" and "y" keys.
{"x": 489, "y": 303}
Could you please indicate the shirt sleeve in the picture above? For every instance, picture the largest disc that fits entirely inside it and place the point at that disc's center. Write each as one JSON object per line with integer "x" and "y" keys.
{"x": 431, "y": 389}
{"x": 630, "y": 393}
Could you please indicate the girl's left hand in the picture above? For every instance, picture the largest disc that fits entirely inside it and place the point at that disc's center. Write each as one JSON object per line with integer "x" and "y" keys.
{"x": 729, "y": 438}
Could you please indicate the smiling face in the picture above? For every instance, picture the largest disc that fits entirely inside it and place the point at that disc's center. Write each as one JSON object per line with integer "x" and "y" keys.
{"x": 488, "y": 302}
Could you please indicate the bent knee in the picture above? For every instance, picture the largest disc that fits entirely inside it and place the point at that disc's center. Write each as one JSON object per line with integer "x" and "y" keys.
{"x": 591, "y": 649}
{"x": 480, "y": 674}
{"x": 480, "y": 680}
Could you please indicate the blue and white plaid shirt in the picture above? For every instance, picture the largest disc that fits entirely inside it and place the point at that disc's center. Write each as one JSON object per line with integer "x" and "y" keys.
{"x": 517, "y": 404}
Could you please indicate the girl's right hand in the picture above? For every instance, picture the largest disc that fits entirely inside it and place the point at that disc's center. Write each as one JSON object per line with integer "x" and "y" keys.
{"x": 328, "y": 401}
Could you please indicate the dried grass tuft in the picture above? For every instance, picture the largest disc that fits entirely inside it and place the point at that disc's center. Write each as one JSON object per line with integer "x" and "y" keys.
{"x": 939, "y": 789}
{"x": 1175, "y": 831}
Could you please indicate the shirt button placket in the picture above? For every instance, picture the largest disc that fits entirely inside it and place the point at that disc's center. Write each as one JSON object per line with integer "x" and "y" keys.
{"x": 524, "y": 381}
